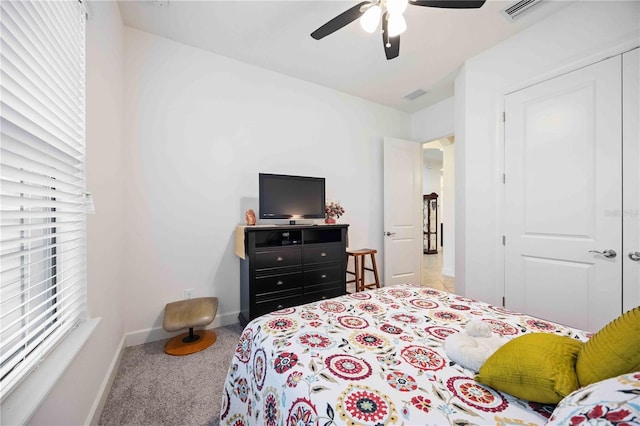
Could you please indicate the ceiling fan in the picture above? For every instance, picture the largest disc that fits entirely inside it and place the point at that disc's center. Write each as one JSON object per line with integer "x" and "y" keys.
{"x": 393, "y": 23}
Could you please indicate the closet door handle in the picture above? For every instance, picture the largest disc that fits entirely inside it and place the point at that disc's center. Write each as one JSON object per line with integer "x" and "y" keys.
{"x": 635, "y": 256}
{"x": 608, "y": 253}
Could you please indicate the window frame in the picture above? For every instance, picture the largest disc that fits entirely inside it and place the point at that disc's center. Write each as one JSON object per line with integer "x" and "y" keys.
{"x": 43, "y": 188}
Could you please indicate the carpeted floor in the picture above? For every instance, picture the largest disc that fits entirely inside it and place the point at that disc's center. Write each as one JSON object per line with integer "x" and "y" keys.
{"x": 153, "y": 388}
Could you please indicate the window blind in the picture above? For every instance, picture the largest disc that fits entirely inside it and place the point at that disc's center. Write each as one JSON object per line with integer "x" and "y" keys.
{"x": 42, "y": 181}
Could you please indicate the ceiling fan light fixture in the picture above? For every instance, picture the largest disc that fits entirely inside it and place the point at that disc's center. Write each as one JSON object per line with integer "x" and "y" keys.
{"x": 371, "y": 18}
{"x": 397, "y": 7}
{"x": 396, "y": 25}
{"x": 369, "y": 13}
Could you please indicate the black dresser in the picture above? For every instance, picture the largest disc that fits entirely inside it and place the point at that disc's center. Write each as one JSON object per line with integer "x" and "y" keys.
{"x": 290, "y": 265}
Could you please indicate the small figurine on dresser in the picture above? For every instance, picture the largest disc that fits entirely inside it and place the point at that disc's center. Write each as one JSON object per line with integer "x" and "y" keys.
{"x": 250, "y": 217}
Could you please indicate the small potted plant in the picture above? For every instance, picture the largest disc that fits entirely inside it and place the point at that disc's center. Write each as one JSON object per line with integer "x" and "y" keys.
{"x": 332, "y": 211}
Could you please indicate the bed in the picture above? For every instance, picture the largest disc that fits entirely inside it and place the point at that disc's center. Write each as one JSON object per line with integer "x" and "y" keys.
{"x": 373, "y": 357}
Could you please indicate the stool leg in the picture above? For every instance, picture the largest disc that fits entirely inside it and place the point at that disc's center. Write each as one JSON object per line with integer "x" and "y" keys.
{"x": 357, "y": 271}
{"x": 363, "y": 273}
{"x": 348, "y": 273}
{"x": 375, "y": 269}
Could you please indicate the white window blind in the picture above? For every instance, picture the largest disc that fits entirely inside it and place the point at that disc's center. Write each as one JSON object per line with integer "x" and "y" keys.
{"x": 42, "y": 181}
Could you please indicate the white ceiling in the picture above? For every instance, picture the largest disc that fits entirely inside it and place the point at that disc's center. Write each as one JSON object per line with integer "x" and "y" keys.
{"x": 275, "y": 35}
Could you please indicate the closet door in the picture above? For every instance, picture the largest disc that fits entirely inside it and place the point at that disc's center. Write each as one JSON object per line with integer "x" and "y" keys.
{"x": 563, "y": 151}
{"x": 631, "y": 179}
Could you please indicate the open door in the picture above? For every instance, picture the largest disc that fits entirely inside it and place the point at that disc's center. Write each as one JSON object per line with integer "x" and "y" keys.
{"x": 402, "y": 211}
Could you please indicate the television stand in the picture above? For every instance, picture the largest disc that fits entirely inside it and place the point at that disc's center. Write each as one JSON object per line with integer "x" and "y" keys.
{"x": 292, "y": 265}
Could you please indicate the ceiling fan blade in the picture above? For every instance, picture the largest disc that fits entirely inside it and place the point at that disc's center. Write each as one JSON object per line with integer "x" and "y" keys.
{"x": 391, "y": 44}
{"x": 449, "y": 4}
{"x": 339, "y": 21}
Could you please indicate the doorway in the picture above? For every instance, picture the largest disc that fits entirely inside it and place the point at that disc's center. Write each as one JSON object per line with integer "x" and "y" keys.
{"x": 438, "y": 170}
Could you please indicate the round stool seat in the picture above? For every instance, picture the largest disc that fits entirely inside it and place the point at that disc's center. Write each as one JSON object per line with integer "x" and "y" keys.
{"x": 361, "y": 252}
{"x": 190, "y": 313}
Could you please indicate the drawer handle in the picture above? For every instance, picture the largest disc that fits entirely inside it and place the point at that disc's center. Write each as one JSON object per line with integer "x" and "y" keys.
{"x": 280, "y": 307}
{"x": 324, "y": 297}
{"x": 323, "y": 276}
{"x": 279, "y": 282}
{"x": 323, "y": 254}
{"x": 279, "y": 259}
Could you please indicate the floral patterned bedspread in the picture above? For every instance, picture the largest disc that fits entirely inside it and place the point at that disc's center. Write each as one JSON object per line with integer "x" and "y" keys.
{"x": 372, "y": 357}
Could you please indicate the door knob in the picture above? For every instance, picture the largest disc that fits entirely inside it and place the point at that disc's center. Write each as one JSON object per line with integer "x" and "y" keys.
{"x": 608, "y": 253}
{"x": 388, "y": 234}
{"x": 635, "y": 256}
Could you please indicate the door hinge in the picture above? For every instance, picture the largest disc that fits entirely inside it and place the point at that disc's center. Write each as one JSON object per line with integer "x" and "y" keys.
{"x": 503, "y": 302}
{"x": 504, "y": 116}
{"x": 504, "y": 178}
{"x": 504, "y": 240}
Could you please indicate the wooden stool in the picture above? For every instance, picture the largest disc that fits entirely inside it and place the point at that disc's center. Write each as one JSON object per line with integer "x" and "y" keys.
{"x": 359, "y": 257}
{"x": 190, "y": 313}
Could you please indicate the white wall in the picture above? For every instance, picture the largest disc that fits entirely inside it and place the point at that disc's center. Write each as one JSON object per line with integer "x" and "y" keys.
{"x": 576, "y": 35}
{"x": 199, "y": 129}
{"x": 431, "y": 175}
{"x": 434, "y": 122}
{"x": 71, "y": 402}
{"x": 460, "y": 188}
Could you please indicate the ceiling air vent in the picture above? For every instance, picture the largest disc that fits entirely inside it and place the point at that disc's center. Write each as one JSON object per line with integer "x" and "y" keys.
{"x": 415, "y": 94}
{"x": 515, "y": 11}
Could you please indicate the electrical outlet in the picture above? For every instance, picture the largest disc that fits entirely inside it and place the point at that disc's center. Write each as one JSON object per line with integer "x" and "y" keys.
{"x": 188, "y": 293}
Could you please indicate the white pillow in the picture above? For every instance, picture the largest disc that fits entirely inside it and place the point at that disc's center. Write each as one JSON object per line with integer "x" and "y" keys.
{"x": 471, "y": 348}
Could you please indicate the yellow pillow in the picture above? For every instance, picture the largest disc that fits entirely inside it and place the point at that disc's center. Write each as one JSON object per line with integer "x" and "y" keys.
{"x": 612, "y": 351}
{"x": 538, "y": 367}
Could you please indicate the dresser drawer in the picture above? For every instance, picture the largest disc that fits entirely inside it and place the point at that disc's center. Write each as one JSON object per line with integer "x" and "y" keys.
{"x": 323, "y": 275}
{"x": 276, "y": 304}
{"x": 322, "y": 292}
{"x": 278, "y": 282}
{"x": 321, "y": 253}
{"x": 278, "y": 258}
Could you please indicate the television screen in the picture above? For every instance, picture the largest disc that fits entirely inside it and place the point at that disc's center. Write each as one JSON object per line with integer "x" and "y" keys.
{"x": 290, "y": 197}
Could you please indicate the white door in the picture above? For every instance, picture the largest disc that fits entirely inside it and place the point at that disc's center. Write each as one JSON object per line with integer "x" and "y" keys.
{"x": 402, "y": 211}
{"x": 631, "y": 179}
{"x": 563, "y": 186}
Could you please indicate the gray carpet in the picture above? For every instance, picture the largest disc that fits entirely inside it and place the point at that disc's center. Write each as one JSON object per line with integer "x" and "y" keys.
{"x": 153, "y": 388}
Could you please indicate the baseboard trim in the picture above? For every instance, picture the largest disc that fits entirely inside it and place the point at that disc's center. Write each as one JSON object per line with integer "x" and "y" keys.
{"x": 449, "y": 273}
{"x": 147, "y": 335}
{"x": 98, "y": 405}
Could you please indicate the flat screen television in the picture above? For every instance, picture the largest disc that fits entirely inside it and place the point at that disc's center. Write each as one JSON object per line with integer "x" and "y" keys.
{"x": 290, "y": 197}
